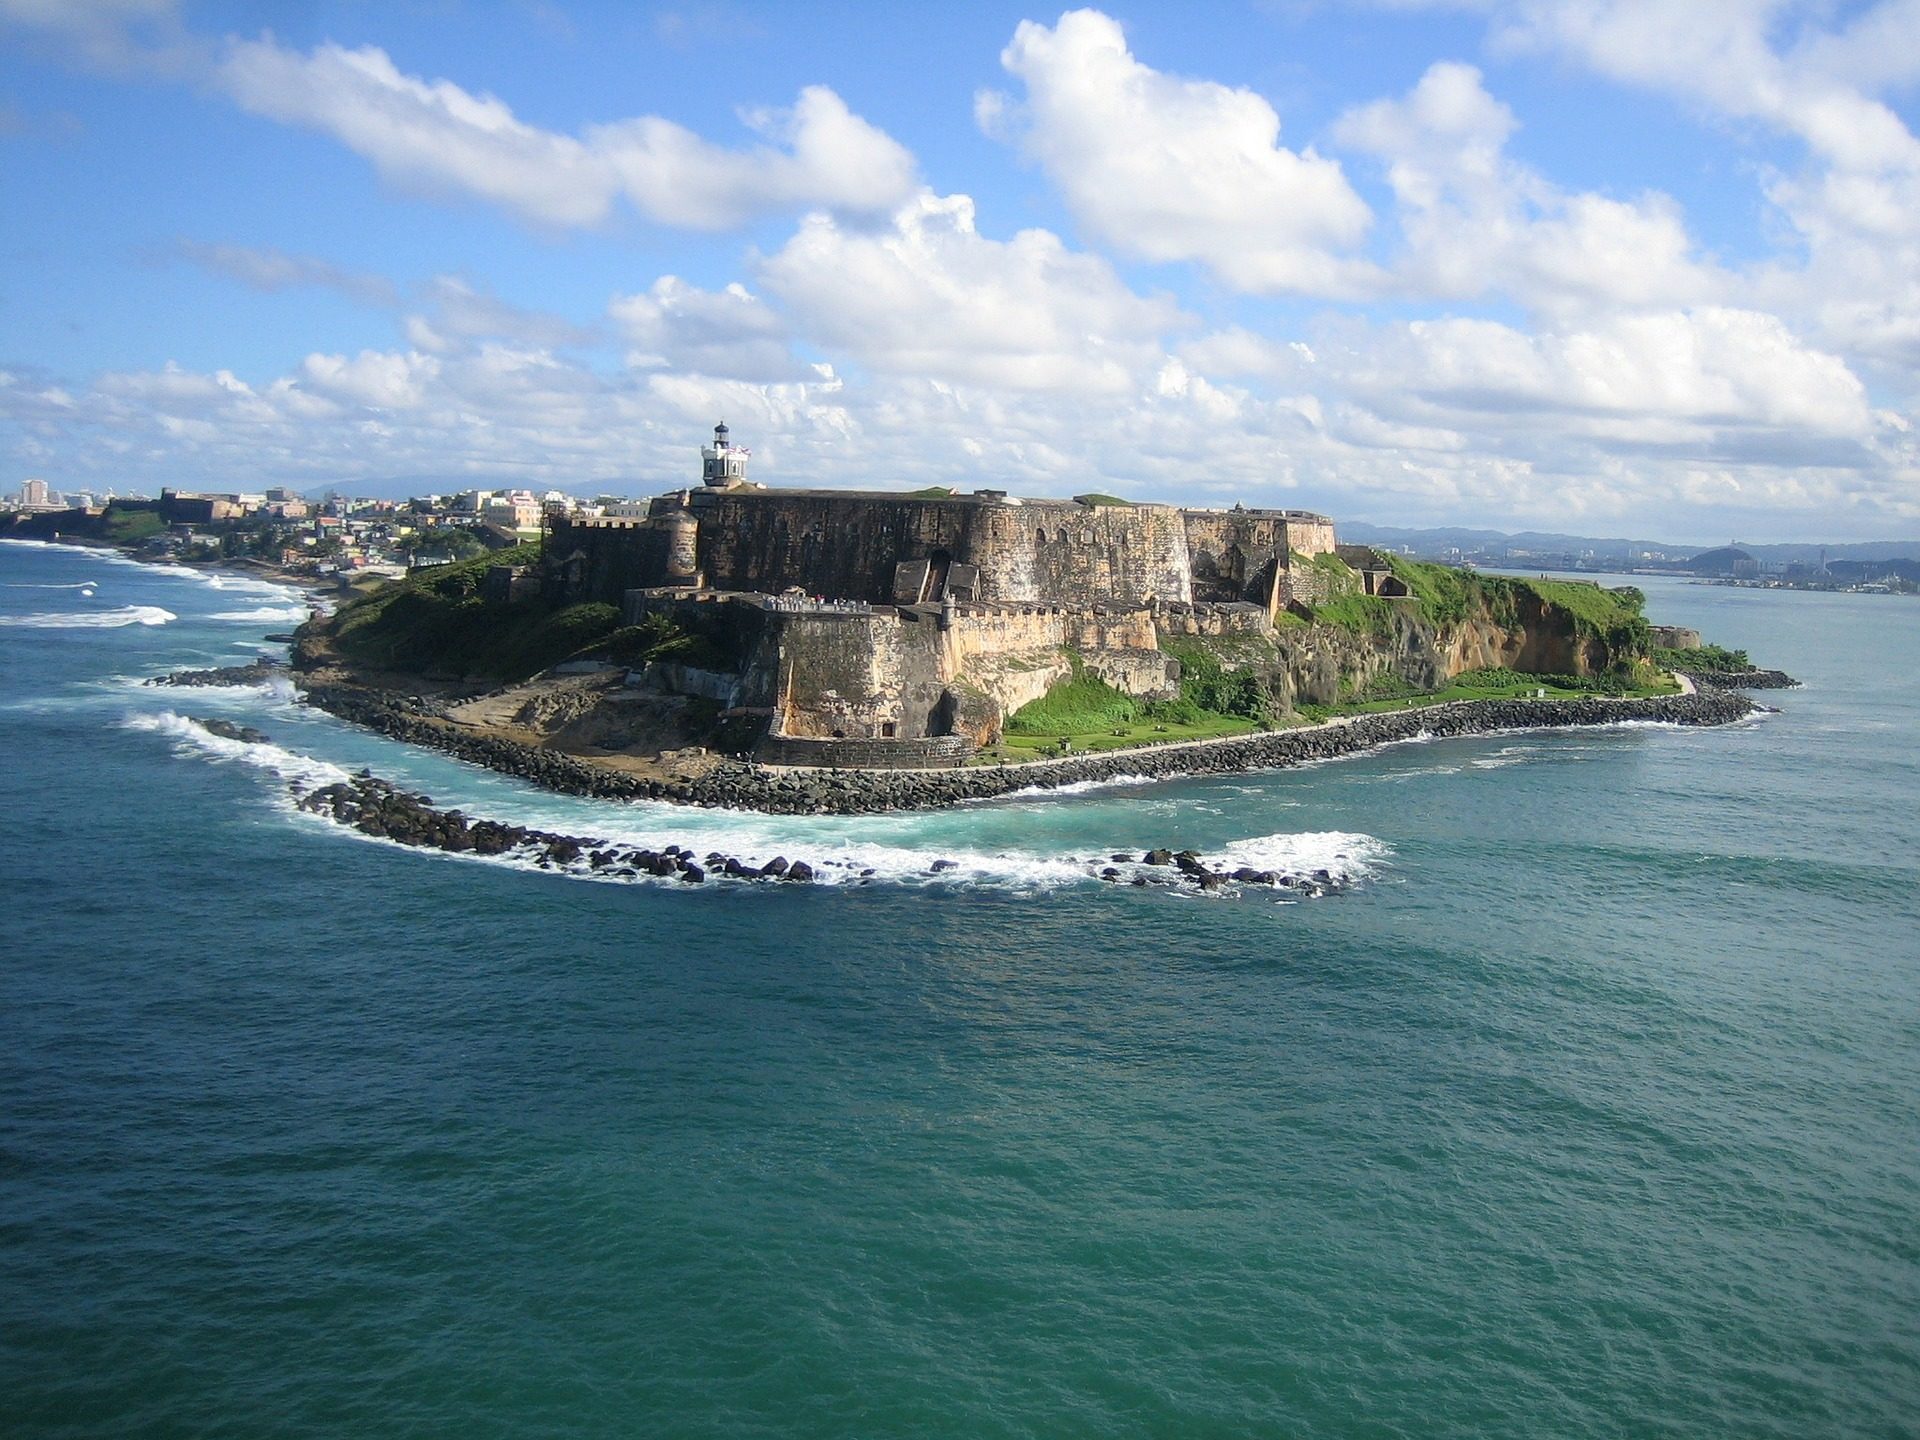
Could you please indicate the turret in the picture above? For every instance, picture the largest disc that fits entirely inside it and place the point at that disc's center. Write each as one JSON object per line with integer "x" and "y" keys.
{"x": 723, "y": 463}
{"x": 683, "y": 545}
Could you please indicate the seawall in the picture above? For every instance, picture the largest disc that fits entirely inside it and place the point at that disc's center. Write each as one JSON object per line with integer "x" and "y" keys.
{"x": 738, "y": 785}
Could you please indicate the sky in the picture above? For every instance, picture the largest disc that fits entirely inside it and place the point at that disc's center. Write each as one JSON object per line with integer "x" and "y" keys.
{"x": 1612, "y": 267}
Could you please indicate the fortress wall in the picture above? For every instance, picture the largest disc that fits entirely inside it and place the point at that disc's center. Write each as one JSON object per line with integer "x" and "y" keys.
{"x": 846, "y": 546}
{"x": 843, "y": 547}
{"x": 877, "y": 676}
{"x": 978, "y": 631}
{"x": 1237, "y": 554}
{"x": 603, "y": 559}
{"x": 1309, "y": 534}
{"x": 1239, "y": 618}
{"x": 1072, "y": 554}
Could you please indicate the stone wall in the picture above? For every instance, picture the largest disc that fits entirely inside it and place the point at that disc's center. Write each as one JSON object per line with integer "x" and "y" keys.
{"x": 603, "y": 559}
{"x": 849, "y": 546}
{"x": 1082, "y": 555}
{"x": 1239, "y": 618}
{"x": 1247, "y": 555}
{"x": 877, "y": 676}
{"x": 877, "y": 547}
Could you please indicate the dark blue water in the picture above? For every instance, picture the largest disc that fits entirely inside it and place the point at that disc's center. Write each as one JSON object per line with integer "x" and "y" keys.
{"x": 1594, "y": 1109}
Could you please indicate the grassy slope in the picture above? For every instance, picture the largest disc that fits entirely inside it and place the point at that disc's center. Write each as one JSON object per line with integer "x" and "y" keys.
{"x": 436, "y": 621}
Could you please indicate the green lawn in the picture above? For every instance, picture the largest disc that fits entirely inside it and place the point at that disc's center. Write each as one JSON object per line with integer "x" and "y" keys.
{"x": 1131, "y": 733}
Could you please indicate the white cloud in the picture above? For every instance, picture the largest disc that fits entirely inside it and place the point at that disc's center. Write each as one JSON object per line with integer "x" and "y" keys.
{"x": 1719, "y": 54}
{"x": 832, "y": 158}
{"x": 439, "y": 137}
{"x": 729, "y": 332}
{"x": 1176, "y": 169}
{"x": 379, "y": 380}
{"x": 930, "y": 296}
{"x": 1810, "y": 71}
{"x": 1474, "y": 221}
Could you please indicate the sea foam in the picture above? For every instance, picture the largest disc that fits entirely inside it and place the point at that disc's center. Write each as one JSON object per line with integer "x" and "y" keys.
{"x": 841, "y": 854}
{"x": 92, "y": 619}
{"x": 264, "y": 755}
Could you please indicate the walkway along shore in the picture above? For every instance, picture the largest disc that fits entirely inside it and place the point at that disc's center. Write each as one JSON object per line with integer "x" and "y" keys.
{"x": 744, "y": 786}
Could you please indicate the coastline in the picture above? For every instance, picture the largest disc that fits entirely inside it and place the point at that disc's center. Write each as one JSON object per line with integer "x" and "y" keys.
{"x": 741, "y": 785}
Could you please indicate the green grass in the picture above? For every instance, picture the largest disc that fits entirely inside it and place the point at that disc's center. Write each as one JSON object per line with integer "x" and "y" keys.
{"x": 1362, "y": 614}
{"x": 124, "y": 527}
{"x": 1443, "y": 594}
{"x": 932, "y": 492}
{"x": 1209, "y": 688}
{"x": 1082, "y": 704}
{"x": 1493, "y": 684}
{"x": 437, "y": 622}
{"x": 1139, "y": 732}
{"x": 1706, "y": 657}
{"x": 1094, "y": 499}
{"x": 1090, "y": 714}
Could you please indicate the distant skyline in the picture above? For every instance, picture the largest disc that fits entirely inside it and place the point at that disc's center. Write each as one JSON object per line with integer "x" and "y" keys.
{"x": 1590, "y": 266}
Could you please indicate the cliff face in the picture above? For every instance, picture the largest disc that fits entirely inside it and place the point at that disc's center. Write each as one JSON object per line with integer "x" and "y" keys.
{"x": 1322, "y": 663}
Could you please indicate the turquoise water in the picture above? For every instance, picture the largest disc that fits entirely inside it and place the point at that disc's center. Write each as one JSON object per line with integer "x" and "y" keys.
{"x": 1593, "y": 1109}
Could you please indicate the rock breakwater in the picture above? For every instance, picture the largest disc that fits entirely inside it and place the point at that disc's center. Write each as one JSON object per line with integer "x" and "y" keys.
{"x": 1742, "y": 679}
{"x": 740, "y": 785}
{"x": 376, "y": 807}
{"x": 259, "y": 672}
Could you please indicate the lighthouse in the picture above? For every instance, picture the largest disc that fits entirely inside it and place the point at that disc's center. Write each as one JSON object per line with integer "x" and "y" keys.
{"x": 723, "y": 462}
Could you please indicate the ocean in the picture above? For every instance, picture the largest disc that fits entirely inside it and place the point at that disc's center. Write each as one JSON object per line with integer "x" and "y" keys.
{"x": 1592, "y": 1108}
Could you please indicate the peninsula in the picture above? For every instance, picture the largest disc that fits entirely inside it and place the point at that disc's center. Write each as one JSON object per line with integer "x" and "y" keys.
{"x": 819, "y": 650}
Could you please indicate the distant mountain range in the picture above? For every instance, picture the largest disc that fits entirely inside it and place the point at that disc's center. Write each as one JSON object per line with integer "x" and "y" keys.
{"x": 1437, "y": 541}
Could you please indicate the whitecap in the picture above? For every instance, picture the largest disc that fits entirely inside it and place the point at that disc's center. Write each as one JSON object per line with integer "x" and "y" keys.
{"x": 92, "y": 619}
{"x": 1348, "y": 856}
{"x": 264, "y": 755}
{"x": 1077, "y": 787}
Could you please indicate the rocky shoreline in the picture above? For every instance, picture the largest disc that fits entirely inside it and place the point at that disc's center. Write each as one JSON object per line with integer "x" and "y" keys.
{"x": 1741, "y": 679}
{"x": 378, "y": 808}
{"x": 744, "y": 786}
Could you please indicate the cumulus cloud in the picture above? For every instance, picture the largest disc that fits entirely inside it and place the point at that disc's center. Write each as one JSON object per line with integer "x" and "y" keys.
{"x": 1474, "y": 221}
{"x": 1168, "y": 168}
{"x": 442, "y": 138}
{"x": 1818, "y": 74}
{"x": 930, "y": 296}
{"x": 823, "y": 154}
{"x": 1712, "y": 370}
{"x": 729, "y": 332}
{"x": 378, "y": 380}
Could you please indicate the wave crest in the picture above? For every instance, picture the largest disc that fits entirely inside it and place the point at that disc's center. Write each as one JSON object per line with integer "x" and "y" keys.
{"x": 92, "y": 619}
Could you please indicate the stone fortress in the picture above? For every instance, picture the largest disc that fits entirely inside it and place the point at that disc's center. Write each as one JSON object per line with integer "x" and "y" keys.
{"x": 876, "y": 628}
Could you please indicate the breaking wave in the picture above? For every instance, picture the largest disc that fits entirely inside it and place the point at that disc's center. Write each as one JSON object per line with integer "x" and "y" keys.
{"x": 841, "y": 852}
{"x": 92, "y": 619}
{"x": 263, "y": 755}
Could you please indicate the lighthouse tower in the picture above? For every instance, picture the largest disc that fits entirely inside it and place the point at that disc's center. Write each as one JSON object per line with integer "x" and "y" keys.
{"x": 723, "y": 463}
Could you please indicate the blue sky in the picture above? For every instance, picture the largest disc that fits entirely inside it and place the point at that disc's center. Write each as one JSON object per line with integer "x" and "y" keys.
{"x": 1610, "y": 266}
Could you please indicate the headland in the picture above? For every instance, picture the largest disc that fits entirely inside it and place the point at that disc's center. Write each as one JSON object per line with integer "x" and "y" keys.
{"x": 810, "y": 651}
